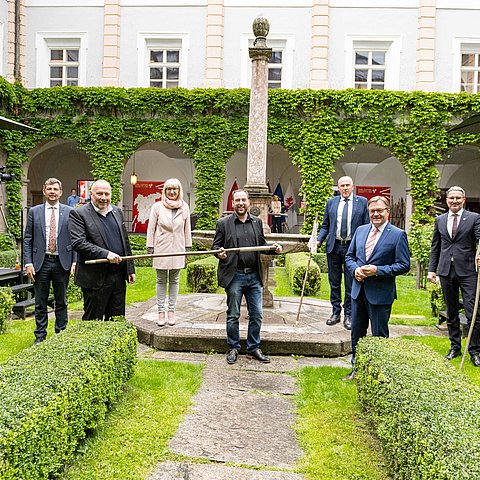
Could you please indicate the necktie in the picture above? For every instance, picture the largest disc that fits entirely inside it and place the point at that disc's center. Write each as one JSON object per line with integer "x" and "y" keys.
{"x": 343, "y": 224}
{"x": 372, "y": 238}
{"x": 52, "y": 237}
{"x": 454, "y": 225}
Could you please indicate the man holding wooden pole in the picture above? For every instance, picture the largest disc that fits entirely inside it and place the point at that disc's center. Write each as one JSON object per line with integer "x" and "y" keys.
{"x": 240, "y": 273}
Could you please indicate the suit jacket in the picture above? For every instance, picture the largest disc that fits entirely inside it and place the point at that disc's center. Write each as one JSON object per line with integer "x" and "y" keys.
{"x": 460, "y": 249}
{"x": 225, "y": 237}
{"x": 328, "y": 229}
{"x": 391, "y": 256}
{"x": 89, "y": 241}
{"x": 35, "y": 240}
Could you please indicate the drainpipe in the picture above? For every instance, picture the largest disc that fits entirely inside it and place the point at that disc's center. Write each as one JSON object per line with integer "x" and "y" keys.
{"x": 16, "y": 52}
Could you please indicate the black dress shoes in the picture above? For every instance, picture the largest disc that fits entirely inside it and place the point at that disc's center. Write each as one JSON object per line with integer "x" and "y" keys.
{"x": 38, "y": 340}
{"x": 333, "y": 320}
{"x": 350, "y": 376}
{"x": 475, "y": 359}
{"x": 347, "y": 322}
{"x": 232, "y": 356}
{"x": 258, "y": 355}
{"x": 452, "y": 354}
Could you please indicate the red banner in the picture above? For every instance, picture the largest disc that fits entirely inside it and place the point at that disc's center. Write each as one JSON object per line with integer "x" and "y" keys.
{"x": 145, "y": 194}
{"x": 369, "y": 192}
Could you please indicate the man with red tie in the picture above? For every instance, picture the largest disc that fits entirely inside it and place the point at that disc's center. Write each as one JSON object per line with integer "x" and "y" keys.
{"x": 377, "y": 254}
{"x": 455, "y": 237}
{"x": 49, "y": 256}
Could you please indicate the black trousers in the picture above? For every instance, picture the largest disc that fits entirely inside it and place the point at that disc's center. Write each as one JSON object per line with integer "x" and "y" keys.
{"x": 52, "y": 273}
{"x": 108, "y": 301}
{"x": 452, "y": 285}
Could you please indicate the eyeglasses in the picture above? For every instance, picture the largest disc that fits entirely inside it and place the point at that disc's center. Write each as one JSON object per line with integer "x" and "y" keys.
{"x": 377, "y": 210}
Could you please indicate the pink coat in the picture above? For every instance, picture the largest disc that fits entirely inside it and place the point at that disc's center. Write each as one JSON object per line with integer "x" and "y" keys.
{"x": 167, "y": 234}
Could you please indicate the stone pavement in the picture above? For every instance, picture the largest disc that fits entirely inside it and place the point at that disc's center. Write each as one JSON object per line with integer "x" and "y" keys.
{"x": 200, "y": 327}
{"x": 241, "y": 425}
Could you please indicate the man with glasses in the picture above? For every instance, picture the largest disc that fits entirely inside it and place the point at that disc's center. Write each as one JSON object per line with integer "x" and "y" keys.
{"x": 377, "y": 254}
{"x": 455, "y": 237}
{"x": 344, "y": 213}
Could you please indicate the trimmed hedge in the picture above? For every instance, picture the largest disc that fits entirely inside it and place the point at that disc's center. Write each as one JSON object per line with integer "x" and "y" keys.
{"x": 425, "y": 413}
{"x": 295, "y": 265}
{"x": 8, "y": 259}
{"x": 53, "y": 393}
{"x": 202, "y": 275}
{"x": 7, "y": 300}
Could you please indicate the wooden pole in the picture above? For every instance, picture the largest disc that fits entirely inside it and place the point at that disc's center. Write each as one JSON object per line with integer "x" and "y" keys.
{"x": 179, "y": 254}
{"x": 475, "y": 310}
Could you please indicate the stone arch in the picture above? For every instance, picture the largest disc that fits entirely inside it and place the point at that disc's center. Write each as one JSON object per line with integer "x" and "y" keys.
{"x": 157, "y": 161}
{"x": 60, "y": 158}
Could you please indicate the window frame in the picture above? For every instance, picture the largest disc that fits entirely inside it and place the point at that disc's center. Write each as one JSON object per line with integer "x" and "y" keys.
{"x": 283, "y": 42}
{"x": 46, "y": 41}
{"x": 64, "y": 65}
{"x": 146, "y": 42}
{"x": 461, "y": 46}
{"x": 390, "y": 44}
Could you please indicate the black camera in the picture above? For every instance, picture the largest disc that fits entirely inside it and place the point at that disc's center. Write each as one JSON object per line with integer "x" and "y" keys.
{"x": 6, "y": 177}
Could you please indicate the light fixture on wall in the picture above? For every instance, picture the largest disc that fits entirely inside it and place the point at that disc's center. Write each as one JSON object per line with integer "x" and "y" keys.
{"x": 133, "y": 176}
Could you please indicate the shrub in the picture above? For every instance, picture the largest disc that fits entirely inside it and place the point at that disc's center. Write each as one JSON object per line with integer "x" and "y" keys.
{"x": 138, "y": 242}
{"x": 7, "y": 300}
{"x": 424, "y": 411}
{"x": 74, "y": 292}
{"x": 321, "y": 261}
{"x": 7, "y": 258}
{"x": 5, "y": 242}
{"x": 296, "y": 265}
{"x": 202, "y": 275}
{"x": 141, "y": 262}
{"x": 54, "y": 392}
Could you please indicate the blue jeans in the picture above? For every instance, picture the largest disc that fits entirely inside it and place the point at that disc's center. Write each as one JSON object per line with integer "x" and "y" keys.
{"x": 247, "y": 284}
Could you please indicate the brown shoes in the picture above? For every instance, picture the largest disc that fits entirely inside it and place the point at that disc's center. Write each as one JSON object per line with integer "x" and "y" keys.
{"x": 350, "y": 376}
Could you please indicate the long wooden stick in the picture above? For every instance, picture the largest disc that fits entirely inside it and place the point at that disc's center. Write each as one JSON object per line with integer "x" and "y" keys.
{"x": 179, "y": 254}
{"x": 475, "y": 310}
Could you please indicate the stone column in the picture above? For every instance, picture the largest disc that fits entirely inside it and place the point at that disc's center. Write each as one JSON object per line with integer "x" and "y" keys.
{"x": 257, "y": 131}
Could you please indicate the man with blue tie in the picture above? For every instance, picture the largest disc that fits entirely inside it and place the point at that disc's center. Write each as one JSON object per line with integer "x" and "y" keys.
{"x": 344, "y": 213}
{"x": 49, "y": 257}
{"x": 377, "y": 254}
{"x": 456, "y": 234}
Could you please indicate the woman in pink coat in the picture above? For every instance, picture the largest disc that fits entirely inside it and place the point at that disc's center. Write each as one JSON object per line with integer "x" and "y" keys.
{"x": 169, "y": 231}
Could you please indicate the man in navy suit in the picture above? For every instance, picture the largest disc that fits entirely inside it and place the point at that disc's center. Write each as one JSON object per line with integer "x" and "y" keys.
{"x": 49, "y": 257}
{"x": 344, "y": 213}
{"x": 455, "y": 236}
{"x": 98, "y": 232}
{"x": 377, "y": 254}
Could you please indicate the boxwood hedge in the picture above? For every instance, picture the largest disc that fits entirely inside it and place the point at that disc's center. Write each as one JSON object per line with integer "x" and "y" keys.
{"x": 295, "y": 265}
{"x": 202, "y": 275}
{"x": 425, "y": 413}
{"x": 51, "y": 394}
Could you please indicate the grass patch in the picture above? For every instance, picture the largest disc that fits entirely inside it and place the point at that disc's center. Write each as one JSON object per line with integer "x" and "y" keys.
{"x": 410, "y": 302}
{"x": 136, "y": 434}
{"x": 337, "y": 442}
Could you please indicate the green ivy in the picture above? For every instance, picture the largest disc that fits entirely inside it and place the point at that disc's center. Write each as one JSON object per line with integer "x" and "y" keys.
{"x": 315, "y": 127}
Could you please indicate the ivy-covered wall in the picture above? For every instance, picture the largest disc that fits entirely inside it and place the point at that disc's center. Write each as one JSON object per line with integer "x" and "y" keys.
{"x": 315, "y": 127}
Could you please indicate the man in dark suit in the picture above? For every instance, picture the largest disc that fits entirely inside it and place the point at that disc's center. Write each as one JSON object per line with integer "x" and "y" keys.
{"x": 98, "y": 231}
{"x": 455, "y": 236}
{"x": 377, "y": 254}
{"x": 240, "y": 273}
{"x": 49, "y": 257}
{"x": 344, "y": 213}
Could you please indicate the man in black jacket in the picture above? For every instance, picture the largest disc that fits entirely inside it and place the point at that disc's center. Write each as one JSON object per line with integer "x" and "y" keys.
{"x": 455, "y": 236}
{"x": 98, "y": 231}
{"x": 240, "y": 273}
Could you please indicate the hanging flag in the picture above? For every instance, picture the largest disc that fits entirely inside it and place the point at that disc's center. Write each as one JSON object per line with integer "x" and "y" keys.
{"x": 229, "y": 207}
{"x": 289, "y": 203}
{"x": 278, "y": 192}
{"x": 313, "y": 242}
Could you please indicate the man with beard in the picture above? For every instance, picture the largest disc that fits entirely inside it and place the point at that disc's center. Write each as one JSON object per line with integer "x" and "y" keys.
{"x": 240, "y": 273}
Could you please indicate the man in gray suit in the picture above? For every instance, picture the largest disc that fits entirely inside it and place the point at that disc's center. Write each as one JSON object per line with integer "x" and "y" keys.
{"x": 49, "y": 257}
{"x": 455, "y": 238}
